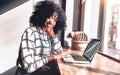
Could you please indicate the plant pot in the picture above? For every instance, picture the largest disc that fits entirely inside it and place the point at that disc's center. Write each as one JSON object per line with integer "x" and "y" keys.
{"x": 79, "y": 45}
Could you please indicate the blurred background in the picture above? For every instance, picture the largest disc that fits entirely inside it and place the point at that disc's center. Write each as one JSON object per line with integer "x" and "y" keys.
{"x": 97, "y": 18}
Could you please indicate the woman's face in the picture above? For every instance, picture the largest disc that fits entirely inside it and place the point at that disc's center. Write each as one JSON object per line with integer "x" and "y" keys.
{"x": 51, "y": 21}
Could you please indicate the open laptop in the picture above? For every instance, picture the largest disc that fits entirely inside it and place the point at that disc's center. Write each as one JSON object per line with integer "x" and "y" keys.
{"x": 88, "y": 54}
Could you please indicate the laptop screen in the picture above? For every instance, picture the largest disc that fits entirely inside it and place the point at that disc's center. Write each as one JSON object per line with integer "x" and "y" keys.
{"x": 91, "y": 49}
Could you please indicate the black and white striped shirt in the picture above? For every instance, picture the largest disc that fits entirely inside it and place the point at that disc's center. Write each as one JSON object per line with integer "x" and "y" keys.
{"x": 36, "y": 46}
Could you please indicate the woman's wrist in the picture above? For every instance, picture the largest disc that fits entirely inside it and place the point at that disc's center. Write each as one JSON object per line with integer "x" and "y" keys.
{"x": 52, "y": 57}
{"x": 55, "y": 57}
{"x": 53, "y": 36}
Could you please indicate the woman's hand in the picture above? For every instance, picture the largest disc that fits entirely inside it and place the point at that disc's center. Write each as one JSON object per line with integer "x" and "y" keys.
{"x": 57, "y": 56}
{"x": 50, "y": 32}
{"x": 60, "y": 55}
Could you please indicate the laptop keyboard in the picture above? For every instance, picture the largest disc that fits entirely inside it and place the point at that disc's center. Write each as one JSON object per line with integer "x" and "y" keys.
{"x": 78, "y": 58}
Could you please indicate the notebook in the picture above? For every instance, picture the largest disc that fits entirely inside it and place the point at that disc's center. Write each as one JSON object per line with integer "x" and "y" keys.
{"x": 88, "y": 54}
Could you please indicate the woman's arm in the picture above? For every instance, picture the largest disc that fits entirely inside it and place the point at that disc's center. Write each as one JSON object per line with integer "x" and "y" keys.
{"x": 56, "y": 45}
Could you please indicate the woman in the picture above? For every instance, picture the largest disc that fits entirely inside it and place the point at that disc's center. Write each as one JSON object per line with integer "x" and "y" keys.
{"x": 39, "y": 45}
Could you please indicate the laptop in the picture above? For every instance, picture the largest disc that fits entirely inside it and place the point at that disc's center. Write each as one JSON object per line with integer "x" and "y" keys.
{"x": 88, "y": 54}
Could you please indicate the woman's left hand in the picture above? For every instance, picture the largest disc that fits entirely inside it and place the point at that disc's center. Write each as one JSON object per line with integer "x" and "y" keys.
{"x": 50, "y": 32}
{"x": 60, "y": 55}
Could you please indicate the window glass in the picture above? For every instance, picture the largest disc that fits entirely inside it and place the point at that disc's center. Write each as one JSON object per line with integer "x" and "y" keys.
{"x": 113, "y": 19}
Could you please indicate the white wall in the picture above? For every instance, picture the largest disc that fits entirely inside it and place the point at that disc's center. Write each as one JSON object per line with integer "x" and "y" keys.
{"x": 69, "y": 21}
{"x": 91, "y": 17}
{"x": 12, "y": 25}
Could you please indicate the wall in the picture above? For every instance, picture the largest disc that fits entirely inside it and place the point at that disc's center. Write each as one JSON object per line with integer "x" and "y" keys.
{"x": 12, "y": 25}
{"x": 76, "y": 16}
{"x": 69, "y": 14}
{"x": 91, "y": 18}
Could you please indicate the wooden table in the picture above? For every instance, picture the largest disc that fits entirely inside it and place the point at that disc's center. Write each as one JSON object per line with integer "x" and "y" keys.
{"x": 101, "y": 65}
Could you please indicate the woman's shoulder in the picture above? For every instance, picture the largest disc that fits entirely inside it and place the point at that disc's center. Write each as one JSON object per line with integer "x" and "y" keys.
{"x": 31, "y": 29}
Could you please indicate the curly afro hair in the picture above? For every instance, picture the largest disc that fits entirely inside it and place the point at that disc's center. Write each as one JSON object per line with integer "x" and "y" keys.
{"x": 45, "y": 9}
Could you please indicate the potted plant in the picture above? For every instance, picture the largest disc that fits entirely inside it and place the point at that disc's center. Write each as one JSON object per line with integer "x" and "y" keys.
{"x": 79, "y": 40}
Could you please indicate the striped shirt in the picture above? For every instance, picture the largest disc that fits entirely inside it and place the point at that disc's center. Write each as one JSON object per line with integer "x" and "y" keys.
{"x": 35, "y": 47}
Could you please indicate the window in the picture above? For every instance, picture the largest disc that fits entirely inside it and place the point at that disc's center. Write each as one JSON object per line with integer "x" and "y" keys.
{"x": 103, "y": 22}
{"x": 112, "y": 27}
